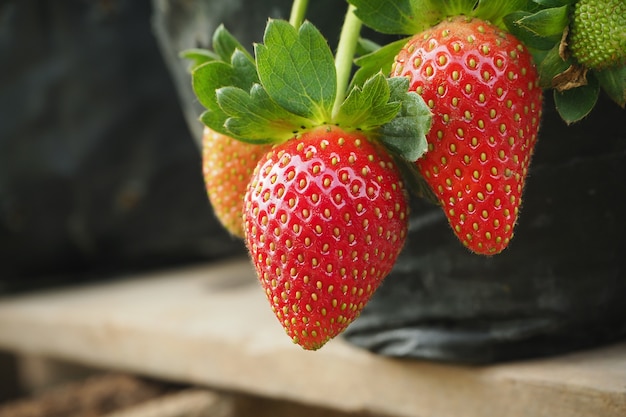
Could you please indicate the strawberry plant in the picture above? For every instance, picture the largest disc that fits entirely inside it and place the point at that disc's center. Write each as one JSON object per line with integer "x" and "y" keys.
{"x": 450, "y": 111}
{"x": 326, "y": 212}
{"x": 580, "y": 49}
{"x": 482, "y": 86}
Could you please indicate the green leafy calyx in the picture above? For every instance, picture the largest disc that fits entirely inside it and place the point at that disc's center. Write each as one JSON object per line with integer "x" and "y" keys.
{"x": 291, "y": 87}
{"x": 408, "y": 17}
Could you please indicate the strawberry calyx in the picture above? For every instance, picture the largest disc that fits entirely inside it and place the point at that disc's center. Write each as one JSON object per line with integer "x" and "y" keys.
{"x": 407, "y": 17}
{"x": 542, "y": 26}
{"x": 228, "y": 64}
{"x": 291, "y": 87}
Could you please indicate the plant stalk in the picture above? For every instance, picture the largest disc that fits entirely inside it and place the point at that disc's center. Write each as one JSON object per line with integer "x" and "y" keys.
{"x": 298, "y": 12}
{"x": 344, "y": 57}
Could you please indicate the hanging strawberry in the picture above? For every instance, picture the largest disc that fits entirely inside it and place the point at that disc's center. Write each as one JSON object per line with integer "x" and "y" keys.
{"x": 325, "y": 214}
{"x": 227, "y": 163}
{"x": 482, "y": 87}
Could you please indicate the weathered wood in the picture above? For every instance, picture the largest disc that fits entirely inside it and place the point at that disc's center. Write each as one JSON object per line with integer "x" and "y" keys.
{"x": 211, "y": 325}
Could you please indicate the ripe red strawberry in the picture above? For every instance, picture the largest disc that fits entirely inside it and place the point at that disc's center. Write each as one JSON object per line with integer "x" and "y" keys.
{"x": 482, "y": 87}
{"x": 227, "y": 167}
{"x": 325, "y": 218}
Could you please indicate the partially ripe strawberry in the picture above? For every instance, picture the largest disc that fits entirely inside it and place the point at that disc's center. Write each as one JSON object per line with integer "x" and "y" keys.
{"x": 482, "y": 87}
{"x": 597, "y": 37}
{"x": 325, "y": 219}
{"x": 227, "y": 166}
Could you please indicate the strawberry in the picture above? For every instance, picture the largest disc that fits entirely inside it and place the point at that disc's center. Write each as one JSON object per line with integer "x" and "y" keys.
{"x": 325, "y": 218}
{"x": 227, "y": 166}
{"x": 482, "y": 88}
{"x": 597, "y": 36}
{"x": 325, "y": 212}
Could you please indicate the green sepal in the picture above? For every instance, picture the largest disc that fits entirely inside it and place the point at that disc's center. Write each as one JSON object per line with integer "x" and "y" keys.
{"x": 225, "y": 44}
{"x": 198, "y": 56}
{"x": 209, "y": 77}
{"x": 405, "y": 17}
{"x": 576, "y": 103}
{"x": 613, "y": 82}
{"x": 205, "y": 79}
{"x": 368, "y": 107}
{"x": 377, "y": 61}
{"x": 495, "y": 10}
{"x": 296, "y": 68}
{"x": 514, "y": 24}
{"x": 554, "y": 3}
{"x": 366, "y": 46}
{"x": 547, "y": 23}
{"x": 405, "y": 135}
{"x": 551, "y": 65}
{"x": 408, "y": 17}
{"x": 214, "y": 120}
{"x": 255, "y": 117}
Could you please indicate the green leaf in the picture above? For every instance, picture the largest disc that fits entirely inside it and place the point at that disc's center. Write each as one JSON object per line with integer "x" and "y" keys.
{"x": 366, "y": 46}
{"x": 573, "y": 105}
{"x": 211, "y": 76}
{"x": 408, "y": 17}
{"x": 368, "y": 107}
{"x": 406, "y": 133}
{"x": 215, "y": 120}
{"x": 555, "y": 3}
{"x": 206, "y": 78}
{"x": 297, "y": 69}
{"x": 198, "y": 56}
{"x": 613, "y": 82}
{"x": 546, "y": 23}
{"x": 495, "y": 10}
{"x": 550, "y": 66}
{"x": 396, "y": 16}
{"x": 255, "y": 117}
{"x": 377, "y": 61}
{"x": 244, "y": 69}
{"x": 225, "y": 44}
{"x": 530, "y": 38}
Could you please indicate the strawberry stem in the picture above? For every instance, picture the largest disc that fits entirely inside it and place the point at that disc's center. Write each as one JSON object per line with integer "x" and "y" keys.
{"x": 344, "y": 57}
{"x": 298, "y": 11}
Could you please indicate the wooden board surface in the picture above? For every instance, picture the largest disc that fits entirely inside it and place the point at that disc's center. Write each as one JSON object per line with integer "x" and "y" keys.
{"x": 211, "y": 325}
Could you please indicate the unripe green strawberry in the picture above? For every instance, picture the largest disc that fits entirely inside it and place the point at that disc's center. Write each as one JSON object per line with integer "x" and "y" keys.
{"x": 482, "y": 87}
{"x": 597, "y": 36}
{"x": 227, "y": 166}
{"x": 325, "y": 218}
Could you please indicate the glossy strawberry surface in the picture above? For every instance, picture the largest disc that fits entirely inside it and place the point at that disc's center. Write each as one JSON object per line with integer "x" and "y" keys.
{"x": 325, "y": 218}
{"x": 482, "y": 87}
{"x": 227, "y": 167}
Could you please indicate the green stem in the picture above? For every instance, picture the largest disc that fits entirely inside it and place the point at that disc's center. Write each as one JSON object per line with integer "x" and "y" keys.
{"x": 298, "y": 11}
{"x": 344, "y": 57}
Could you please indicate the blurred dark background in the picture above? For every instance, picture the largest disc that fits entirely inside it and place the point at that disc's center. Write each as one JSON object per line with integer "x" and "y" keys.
{"x": 99, "y": 171}
{"x": 99, "y": 164}
{"x": 100, "y": 175}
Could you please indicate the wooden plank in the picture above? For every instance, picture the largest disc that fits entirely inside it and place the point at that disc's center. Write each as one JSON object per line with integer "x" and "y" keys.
{"x": 211, "y": 325}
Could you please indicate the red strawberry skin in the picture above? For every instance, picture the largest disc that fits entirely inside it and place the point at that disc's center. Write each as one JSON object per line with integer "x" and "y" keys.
{"x": 325, "y": 218}
{"x": 482, "y": 87}
{"x": 227, "y": 166}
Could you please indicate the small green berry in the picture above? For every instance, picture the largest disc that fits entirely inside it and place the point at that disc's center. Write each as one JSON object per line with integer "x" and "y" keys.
{"x": 598, "y": 33}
